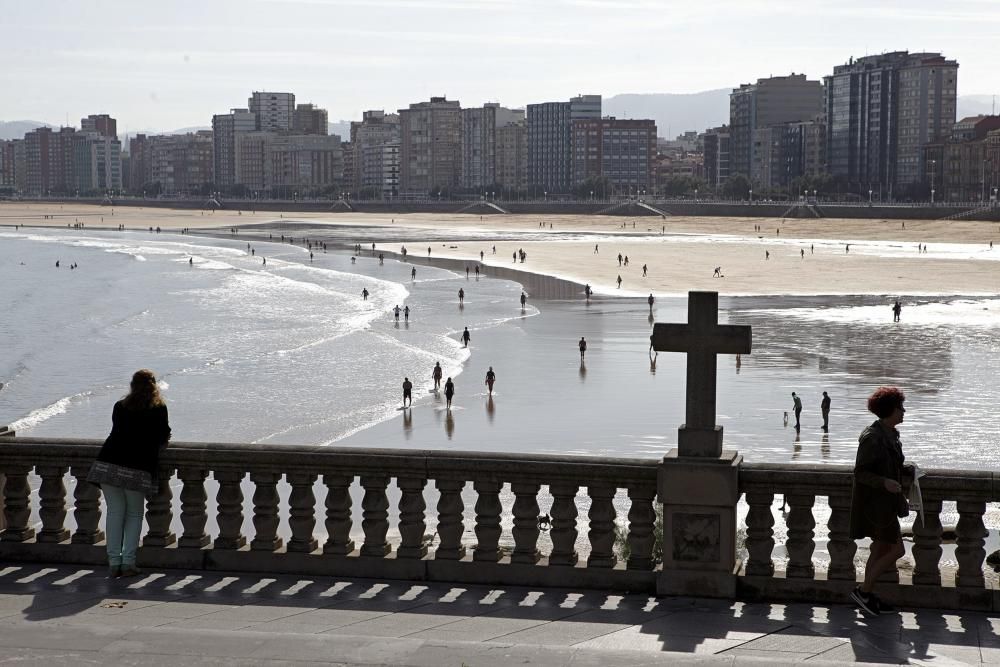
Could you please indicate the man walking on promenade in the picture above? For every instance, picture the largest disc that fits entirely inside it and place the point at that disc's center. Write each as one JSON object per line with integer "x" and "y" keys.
{"x": 797, "y": 406}
{"x": 824, "y": 407}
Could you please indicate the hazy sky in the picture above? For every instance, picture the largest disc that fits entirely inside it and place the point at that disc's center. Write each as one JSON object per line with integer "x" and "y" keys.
{"x": 166, "y": 65}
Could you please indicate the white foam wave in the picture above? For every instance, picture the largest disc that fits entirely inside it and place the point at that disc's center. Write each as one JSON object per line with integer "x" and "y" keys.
{"x": 36, "y": 417}
{"x": 983, "y": 313}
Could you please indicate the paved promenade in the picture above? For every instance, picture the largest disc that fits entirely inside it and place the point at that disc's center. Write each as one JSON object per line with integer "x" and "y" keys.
{"x": 74, "y": 615}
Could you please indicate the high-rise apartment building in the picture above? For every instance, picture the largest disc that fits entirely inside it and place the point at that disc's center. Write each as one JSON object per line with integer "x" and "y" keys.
{"x": 374, "y": 156}
{"x": 273, "y": 111}
{"x": 8, "y": 173}
{"x": 48, "y": 161}
{"x": 251, "y": 160}
{"x": 620, "y": 150}
{"x": 479, "y": 143}
{"x": 140, "y": 166}
{"x": 102, "y": 124}
{"x": 97, "y": 164}
{"x": 430, "y": 146}
{"x": 226, "y": 131}
{"x": 771, "y": 101}
{"x": 306, "y": 164}
{"x": 881, "y": 110}
{"x": 716, "y": 146}
{"x": 788, "y": 151}
{"x": 182, "y": 164}
{"x": 512, "y": 152}
{"x": 310, "y": 119}
{"x": 550, "y": 128}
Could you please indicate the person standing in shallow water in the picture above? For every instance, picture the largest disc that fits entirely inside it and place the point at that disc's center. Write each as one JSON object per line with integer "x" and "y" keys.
{"x": 797, "y": 407}
{"x": 437, "y": 374}
{"x": 491, "y": 377}
{"x": 824, "y": 407}
{"x": 127, "y": 465}
{"x": 466, "y": 336}
{"x": 877, "y": 497}
{"x": 583, "y": 347}
{"x": 449, "y": 392}
{"x": 461, "y": 296}
{"x": 897, "y": 308}
{"x": 407, "y": 391}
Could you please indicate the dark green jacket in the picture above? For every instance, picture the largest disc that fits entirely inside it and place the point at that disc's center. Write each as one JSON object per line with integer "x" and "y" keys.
{"x": 873, "y": 508}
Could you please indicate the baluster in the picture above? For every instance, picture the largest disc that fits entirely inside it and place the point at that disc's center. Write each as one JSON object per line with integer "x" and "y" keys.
{"x": 375, "y": 515}
{"x": 87, "y": 508}
{"x": 563, "y": 533}
{"x": 338, "y": 515}
{"x": 412, "y": 518}
{"x": 602, "y": 526}
{"x": 800, "y": 544}
{"x": 450, "y": 527}
{"x": 488, "y": 510}
{"x": 193, "y": 513}
{"x": 17, "y": 511}
{"x": 525, "y": 529}
{"x": 229, "y": 501}
{"x": 926, "y": 549}
{"x": 641, "y": 517}
{"x": 970, "y": 552}
{"x": 839, "y": 543}
{"x": 265, "y": 511}
{"x": 302, "y": 513}
{"x": 760, "y": 533}
{"x": 160, "y": 513}
{"x": 52, "y": 504}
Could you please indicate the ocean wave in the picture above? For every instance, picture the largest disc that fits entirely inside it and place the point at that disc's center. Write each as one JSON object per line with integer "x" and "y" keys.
{"x": 36, "y": 417}
{"x": 981, "y": 313}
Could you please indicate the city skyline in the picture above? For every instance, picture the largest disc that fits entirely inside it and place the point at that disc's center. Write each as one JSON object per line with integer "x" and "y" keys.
{"x": 166, "y": 71}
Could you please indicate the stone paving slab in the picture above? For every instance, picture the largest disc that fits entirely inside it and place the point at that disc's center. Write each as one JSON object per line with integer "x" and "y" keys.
{"x": 72, "y": 615}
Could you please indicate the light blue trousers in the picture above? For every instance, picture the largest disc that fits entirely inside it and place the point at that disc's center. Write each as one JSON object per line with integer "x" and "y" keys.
{"x": 125, "y": 510}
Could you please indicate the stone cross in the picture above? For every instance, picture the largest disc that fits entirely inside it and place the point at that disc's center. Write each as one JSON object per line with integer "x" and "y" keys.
{"x": 702, "y": 338}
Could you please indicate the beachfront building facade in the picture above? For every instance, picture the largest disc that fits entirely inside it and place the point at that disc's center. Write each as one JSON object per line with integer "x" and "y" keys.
{"x": 139, "y": 173}
{"x": 881, "y": 110}
{"x": 227, "y": 130}
{"x": 550, "y": 129}
{"x": 273, "y": 112}
{"x": 48, "y": 161}
{"x": 374, "y": 155}
{"x": 512, "y": 156}
{"x": 430, "y": 146}
{"x": 716, "y": 155}
{"x": 784, "y": 153}
{"x": 310, "y": 119}
{"x": 8, "y": 166}
{"x": 304, "y": 165}
{"x": 960, "y": 168}
{"x": 96, "y": 164}
{"x": 766, "y": 103}
{"x": 181, "y": 164}
{"x": 479, "y": 143}
{"x": 618, "y": 150}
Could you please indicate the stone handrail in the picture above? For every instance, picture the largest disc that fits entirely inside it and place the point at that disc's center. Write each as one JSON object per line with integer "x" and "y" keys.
{"x": 965, "y": 587}
{"x": 453, "y": 559}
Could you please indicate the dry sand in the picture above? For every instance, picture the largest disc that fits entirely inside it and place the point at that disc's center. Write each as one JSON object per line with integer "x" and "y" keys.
{"x": 958, "y": 260}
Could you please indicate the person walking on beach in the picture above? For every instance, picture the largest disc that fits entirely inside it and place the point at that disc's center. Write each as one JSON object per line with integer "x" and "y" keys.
{"x": 619, "y": 259}
{"x": 482, "y": 255}
{"x": 491, "y": 377}
{"x": 583, "y": 347}
{"x": 877, "y": 498}
{"x": 524, "y": 299}
{"x": 477, "y": 272}
{"x": 466, "y": 272}
{"x": 717, "y": 273}
{"x": 587, "y": 291}
{"x": 395, "y": 312}
{"x": 428, "y": 251}
{"x": 897, "y": 308}
{"x": 126, "y": 467}
{"x": 413, "y": 273}
{"x": 797, "y": 407}
{"x": 650, "y": 301}
{"x": 767, "y": 254}
{"x": 437, "y": 374}
{"x": 406, "y": 313}
{"x": 364, "y": 294}
{"x": 596, "y": 251}
{"x": 449, "y": 392}
{"x": 461, "y": 296}
{"x": 643, "y": 270}
{"x": 626, "y": 260}
{"x": 515, "y": 257}
{"x": 619, "y": 281}
{"x": 466, "y": 337}
{"x": 407, "y": 391}
{"x": 824, "y": 407}
{"x": 802, "y": 253}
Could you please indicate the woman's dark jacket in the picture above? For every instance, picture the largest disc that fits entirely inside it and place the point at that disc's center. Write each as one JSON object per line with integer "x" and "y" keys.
{"x": 137, "y": 437}
{"x": 873, "y": 508}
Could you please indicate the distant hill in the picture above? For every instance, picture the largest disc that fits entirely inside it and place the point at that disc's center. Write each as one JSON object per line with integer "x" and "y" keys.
{"x": 16, "y": 129}
{"x": 674, "y": 113}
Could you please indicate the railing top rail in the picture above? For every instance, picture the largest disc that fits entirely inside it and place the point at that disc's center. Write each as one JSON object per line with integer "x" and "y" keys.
{"x": 322, "y": 459}
{"x": 939, "y": 483}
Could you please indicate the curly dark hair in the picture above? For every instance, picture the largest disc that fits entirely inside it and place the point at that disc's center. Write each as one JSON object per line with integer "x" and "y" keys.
{"x": 143, "y": 392}
{"x": 885, "y": 400}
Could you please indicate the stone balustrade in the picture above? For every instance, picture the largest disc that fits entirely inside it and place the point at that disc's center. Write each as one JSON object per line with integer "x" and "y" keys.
{"x": 959, "y": 584}
{"x": 394, "y": 484}
{"x": 478, "y": 517}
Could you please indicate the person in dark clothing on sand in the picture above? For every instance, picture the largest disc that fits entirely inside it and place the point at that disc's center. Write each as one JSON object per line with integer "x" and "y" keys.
{"x": 449, "y": 392}
{"x": 127, "y": 466}
{"x": 491, "y": 377}
{"x": 466, "y": 337}
{"x": 437, "y": 374}
{"x": 407, "y": 391}
{"x": 583, "y": 347}
{"x": 824, "y": 407}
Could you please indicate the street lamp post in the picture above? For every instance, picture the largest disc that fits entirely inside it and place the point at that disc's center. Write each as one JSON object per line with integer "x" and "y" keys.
{"x": 751, "y": 196}
{"x": 982, "y": 182}
{"x": 869, "y": 196}
{"x": 933, "y": 162}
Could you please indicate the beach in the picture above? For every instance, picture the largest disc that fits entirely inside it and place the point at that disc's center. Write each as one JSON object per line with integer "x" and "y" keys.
{"x": 806, "y": 257}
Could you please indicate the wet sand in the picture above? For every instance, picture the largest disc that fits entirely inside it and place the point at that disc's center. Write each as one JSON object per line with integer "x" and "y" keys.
{"x": 883, "y": 257}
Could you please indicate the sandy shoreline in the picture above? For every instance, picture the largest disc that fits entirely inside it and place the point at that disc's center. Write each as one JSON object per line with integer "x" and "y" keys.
{"x": 883, "y": 257}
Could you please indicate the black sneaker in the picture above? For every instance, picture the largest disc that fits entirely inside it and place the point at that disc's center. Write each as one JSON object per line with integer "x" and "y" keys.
{"x": 867, "y": 603}
{"x": 883, "y": 606}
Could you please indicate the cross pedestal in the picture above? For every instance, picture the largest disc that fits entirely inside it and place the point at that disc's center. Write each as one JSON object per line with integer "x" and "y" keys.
{"x": 698, "y": 482}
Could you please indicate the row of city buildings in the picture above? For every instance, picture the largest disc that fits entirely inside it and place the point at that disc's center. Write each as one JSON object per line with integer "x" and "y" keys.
{"x": 881, "y": 126}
